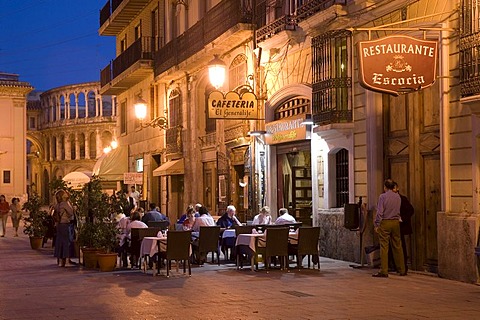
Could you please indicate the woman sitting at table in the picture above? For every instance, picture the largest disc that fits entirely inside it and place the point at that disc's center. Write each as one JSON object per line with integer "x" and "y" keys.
{"x": 135, "y": 223}
{"x": 263, "y": 217}
{"x": 190, "y": 219}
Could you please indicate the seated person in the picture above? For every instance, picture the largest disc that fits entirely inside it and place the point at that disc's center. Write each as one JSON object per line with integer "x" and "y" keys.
{"x": 190, "y": 220}
{"x": 263, "y": 217}
{"x": 228, "y": 220}
{"x": 205, "y": 219}
{"x": 284, "y": 217}
{"x": 184, "y": 216}
{"x": 134, "y": 223}
{"x": 154, "y": 215}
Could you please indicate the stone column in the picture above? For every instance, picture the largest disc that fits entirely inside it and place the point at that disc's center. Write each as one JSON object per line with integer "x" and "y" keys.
{"x": 68, "y": 145}
{"x": 98, "y": 140}
{"x": 77, "y": 147}
{"x": 87, "y": 145}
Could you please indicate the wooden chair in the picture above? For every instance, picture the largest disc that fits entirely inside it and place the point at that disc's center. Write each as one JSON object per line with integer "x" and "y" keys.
{"x": 276, "y": 244}
{"x": 208, "y": 241}
{"x": 243, "y": 229}
{"x": 178, "y": 248}
{"x": 136, "y": 237}
{"x": 163, "y": 225}
{"x": 307, "y": 246}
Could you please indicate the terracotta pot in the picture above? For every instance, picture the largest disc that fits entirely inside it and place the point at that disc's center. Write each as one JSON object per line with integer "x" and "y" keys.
{"x": 107, "y": 261}
{"x": 36, "y": 242}
{"x": 90, "y": 257}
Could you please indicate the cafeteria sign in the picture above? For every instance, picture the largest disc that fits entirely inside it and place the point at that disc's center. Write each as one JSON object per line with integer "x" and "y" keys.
{"x": 232, "y": 105}
{"x": 397, "y": 64}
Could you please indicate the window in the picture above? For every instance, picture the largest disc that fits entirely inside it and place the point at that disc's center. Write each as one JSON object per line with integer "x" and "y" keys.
{"x": 175, "y": 109}
{"x": 292, "y": 107}
{"x": 138, "y": 30}
{"x": 331, "y": 77}
{"x": 123, "y": 117}
{"x": 155, "y": 30}
{"x": 469, "y": 48}
{"x": 32, "y": 124}
{"x": 139, "y": 165}
{"x": 123, "y": 44}
{"x": 341, "y": 178}
{"x": 237, "y": 73}
{"x": 7, "y": 177}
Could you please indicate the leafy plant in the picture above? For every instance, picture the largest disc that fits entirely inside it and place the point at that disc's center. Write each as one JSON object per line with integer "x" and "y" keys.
{"x": 35, "y": 225}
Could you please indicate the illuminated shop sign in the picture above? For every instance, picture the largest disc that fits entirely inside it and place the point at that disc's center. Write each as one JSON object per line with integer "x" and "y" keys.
{"x": 397, "y": 64}
{"x": 232, "y": 105}
{"x": 286, "y": 130}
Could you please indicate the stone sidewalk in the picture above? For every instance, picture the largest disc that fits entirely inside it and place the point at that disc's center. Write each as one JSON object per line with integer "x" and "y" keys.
{"x": 32, "y": 286}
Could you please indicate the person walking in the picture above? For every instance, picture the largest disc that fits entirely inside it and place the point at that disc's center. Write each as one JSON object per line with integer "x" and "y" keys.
{"x": 16, "y": 210}
{"x": 387, "y": 225}
{"x": 4, "y": 209}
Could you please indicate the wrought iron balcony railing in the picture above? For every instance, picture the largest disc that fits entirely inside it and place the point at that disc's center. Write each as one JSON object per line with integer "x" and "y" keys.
{"x": 310, "y": 8}
{"x": 142, "y": 49}
{"x": 286, "y": 22}
{"x": 217, "y": 21}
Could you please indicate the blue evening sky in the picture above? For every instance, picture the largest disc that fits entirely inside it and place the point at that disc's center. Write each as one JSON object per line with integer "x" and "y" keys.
{"x": 52, "y": 43}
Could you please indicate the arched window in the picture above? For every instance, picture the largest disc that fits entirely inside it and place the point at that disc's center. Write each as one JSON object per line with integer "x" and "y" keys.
{"x": 72, "y": 106}
{"x": 237, "y": 73}
{"x": 62, "y": 147}
{"x": 341, "y": 177}
{"x": 62, "y": 107}
{"x": 81, "y": 105}
{"x": 73, "y": 153}
{"x": 91, "y": 104}
{"x": 92, "y": 144}
{"x": 81, "y": 143}
{"x": 292, "y": 107}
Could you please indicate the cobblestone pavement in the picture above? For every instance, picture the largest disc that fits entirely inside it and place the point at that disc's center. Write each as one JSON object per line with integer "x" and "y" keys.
{"x": 32, "y": 286}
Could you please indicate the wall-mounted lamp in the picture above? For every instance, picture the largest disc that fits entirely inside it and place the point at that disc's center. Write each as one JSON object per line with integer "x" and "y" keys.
{"x": 216, "y": 72}
{"x": 257, "y": 133}
{"x": 141, "y": 113}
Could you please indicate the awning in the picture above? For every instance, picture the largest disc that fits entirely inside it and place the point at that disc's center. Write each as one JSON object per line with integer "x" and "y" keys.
{"x": 170, "y": 168}
{"x": 111, "y": 166}
{"x": 77, "y": 179}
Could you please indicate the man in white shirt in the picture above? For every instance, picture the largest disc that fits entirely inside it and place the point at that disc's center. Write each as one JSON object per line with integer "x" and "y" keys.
{"x": 284, "y": 217}
{"x": 205, "y": 219}
{"x": 135, "y": 195}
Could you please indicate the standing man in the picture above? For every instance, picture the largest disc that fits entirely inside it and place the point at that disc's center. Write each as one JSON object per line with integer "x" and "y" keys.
{"x": 387, "y": 225}
{"x": 135, "y": 195}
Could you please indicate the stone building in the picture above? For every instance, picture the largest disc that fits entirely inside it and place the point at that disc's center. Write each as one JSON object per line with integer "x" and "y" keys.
{"x": 301, "y": 60}
{"x": 12, "y": 136}
{"x": 68, "y": 129}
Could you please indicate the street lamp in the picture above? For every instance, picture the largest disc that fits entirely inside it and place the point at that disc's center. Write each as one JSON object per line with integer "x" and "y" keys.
{"x": 216, "y": 72}
{"x": 141, "y": 113}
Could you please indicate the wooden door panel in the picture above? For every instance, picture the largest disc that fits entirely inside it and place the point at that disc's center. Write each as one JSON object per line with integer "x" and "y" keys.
{"x": 432, "y": 206}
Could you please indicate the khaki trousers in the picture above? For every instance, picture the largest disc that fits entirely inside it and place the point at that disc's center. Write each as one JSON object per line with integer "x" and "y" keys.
{"x": 389, "y": 232}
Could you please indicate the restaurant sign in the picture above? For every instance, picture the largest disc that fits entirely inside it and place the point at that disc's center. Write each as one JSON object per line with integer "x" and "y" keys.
{"x": 286, "y": 130}
{"x": 232, "y": 105}
{"x": 397, "y": 64}
{"x": 132, "y": 177}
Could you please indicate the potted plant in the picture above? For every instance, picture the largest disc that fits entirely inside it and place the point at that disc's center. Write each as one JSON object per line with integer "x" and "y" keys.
{"x": 97, "y": 231}
{"x": 35, "y": 225}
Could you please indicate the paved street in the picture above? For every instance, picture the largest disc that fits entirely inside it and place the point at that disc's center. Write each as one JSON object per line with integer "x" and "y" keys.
{"x": 32, "y": 286}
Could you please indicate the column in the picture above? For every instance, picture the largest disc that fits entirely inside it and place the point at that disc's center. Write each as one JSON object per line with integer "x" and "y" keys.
{"x": 59, "y": 148}
{"x": 68, "y": 154}
{"x": 98, "y": 141}
{"x": 77, "y": 147}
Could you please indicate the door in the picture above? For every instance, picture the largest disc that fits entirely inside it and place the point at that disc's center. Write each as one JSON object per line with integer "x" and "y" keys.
{"x": 412, "y": 159}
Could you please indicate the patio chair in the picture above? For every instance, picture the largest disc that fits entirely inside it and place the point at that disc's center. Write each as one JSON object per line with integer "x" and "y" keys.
{"x": 208, "y": 241}
{"x": 136, "y": 237}
{"x": 307, "y": 246}
{"x": 276, "y": 245}
{"x": 178, "y": 248}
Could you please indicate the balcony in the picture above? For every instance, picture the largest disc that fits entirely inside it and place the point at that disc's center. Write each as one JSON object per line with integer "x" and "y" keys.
{"x": 117, "y": 14}
{"x": 312, "y": 7}
{"x": 228, "y": 24}
{"x": 130, "y": 67}
{"x": 286, "y": 22}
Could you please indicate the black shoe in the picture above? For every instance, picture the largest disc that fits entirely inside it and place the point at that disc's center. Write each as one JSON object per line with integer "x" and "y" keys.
{"x": 380, "y": 275}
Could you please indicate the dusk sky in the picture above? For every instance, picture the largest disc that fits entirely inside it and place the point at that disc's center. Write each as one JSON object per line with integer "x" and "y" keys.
{"x": 52, "y": 43}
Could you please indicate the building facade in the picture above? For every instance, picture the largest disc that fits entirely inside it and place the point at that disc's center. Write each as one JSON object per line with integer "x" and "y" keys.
{"x": 13, "y": 105}
{"x": 68, "y": 129}
{"x": 301, "y": 60}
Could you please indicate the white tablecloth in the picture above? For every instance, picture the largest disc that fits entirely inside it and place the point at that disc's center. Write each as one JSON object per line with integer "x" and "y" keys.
{"x": 248, "y": 239}
{"x": 228, "y": 233}
{"x": 149, "y": 245}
